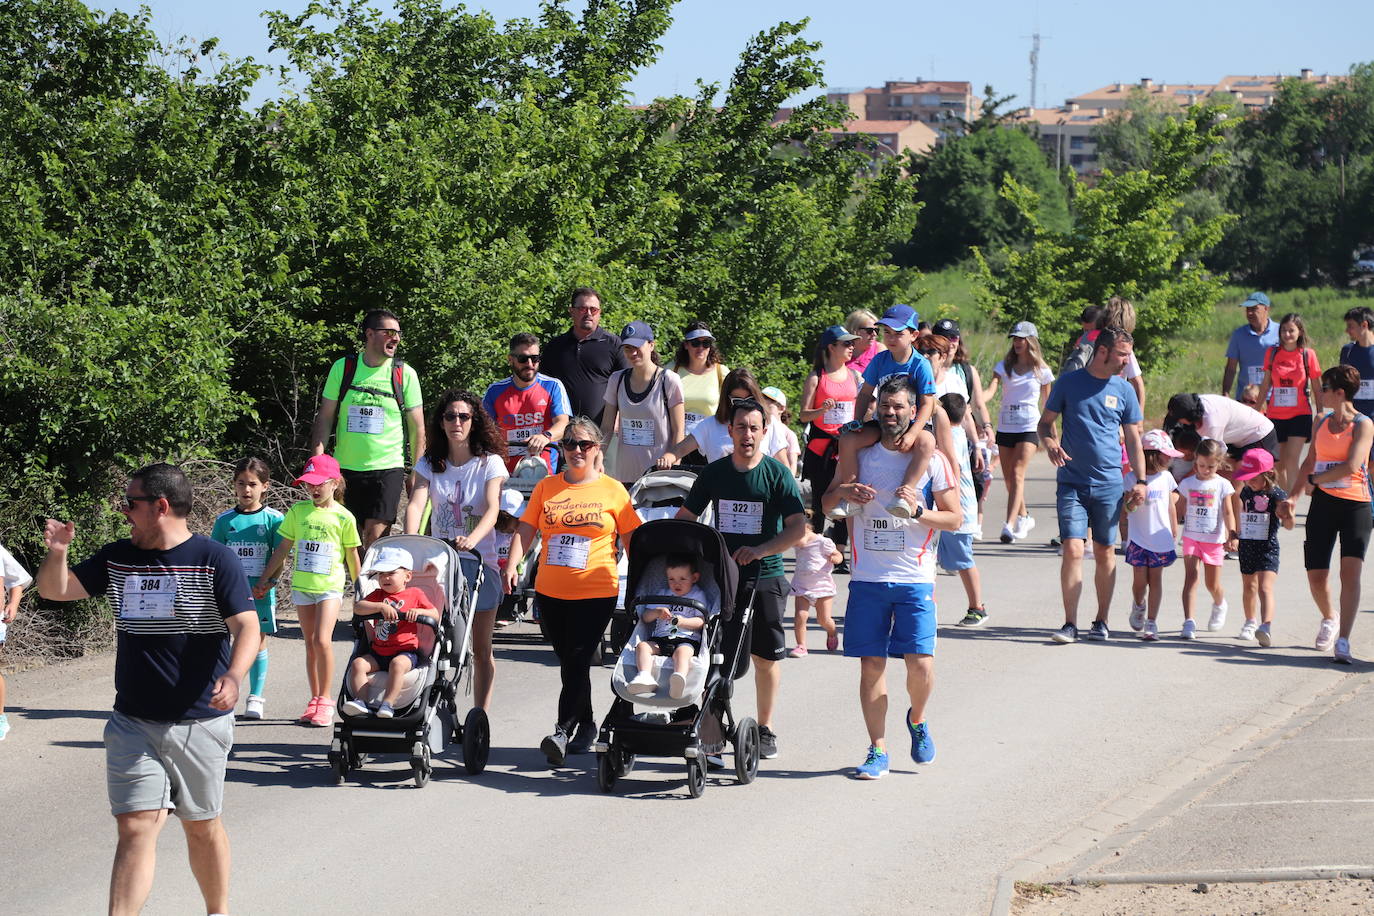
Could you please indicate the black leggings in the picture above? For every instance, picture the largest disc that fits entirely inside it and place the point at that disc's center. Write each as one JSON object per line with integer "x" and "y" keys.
{"x": 821, "y": 471}
{"x": 574, "y": 629}
{"x": 1329, "y": 517}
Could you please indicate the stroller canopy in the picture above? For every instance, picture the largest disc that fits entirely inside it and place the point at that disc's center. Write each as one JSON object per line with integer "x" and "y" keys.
{"x": 661, "y": 537}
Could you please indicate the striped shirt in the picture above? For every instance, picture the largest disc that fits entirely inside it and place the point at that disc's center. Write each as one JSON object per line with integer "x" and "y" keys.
{"x": 169, "y": 608}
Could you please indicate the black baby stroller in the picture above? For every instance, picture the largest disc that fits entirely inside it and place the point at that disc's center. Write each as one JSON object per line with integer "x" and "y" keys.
{"x": 700, "y": 722}
{"x": 426, "y": 712}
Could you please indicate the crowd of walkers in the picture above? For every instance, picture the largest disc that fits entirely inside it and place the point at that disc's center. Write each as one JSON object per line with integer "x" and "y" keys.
{"x": 886, "y": 488}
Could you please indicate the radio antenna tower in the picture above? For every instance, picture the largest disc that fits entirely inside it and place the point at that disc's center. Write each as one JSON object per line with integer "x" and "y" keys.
{"x": 1035, "y": 66}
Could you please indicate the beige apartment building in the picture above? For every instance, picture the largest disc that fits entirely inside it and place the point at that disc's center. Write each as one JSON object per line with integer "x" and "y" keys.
{"x": 936, "y": 103}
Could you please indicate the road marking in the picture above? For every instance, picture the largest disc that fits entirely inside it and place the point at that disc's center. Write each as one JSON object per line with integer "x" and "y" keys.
{"x": 1294, "y": 801}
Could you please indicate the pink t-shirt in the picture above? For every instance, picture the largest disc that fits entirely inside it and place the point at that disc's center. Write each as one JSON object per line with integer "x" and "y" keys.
{"x": 860, "y": 362}
{"x": 813, "y": 573}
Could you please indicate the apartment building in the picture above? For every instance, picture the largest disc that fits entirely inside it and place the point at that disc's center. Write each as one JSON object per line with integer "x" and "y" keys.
{"x": 937, "y": 103}
{"x": 893, "y": 137}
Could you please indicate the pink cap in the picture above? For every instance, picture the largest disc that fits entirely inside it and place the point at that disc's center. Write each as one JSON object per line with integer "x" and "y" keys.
{"x": 1253, "y": 463}
{"x": 319, "y": 469}
{"x": 1157, "y": 440}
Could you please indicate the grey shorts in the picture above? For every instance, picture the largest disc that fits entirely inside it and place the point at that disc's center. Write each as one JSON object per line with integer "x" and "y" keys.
{"x": 309, "y": 598}
{"x": 150, "y": 766}
{"x": 491, "y": 592}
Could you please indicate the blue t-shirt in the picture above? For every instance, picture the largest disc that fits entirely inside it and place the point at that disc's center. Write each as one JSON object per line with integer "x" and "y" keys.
{"x": 1362, "y": 359}
{"x": 169, "y": 609}
{"x": 1248, "y": 348}
{"x": 884, "y": 365}
{"x": 1093, "y": 410}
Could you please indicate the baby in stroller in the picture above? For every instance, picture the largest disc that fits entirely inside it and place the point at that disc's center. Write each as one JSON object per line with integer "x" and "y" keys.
{"x": 395, "y": 641}
{"x": 677, "y": 630}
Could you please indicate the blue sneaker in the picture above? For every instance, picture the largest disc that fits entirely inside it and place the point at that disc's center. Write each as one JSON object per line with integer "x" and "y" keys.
{"x": 922, "y": 745}
{"x": 874, "y": 766}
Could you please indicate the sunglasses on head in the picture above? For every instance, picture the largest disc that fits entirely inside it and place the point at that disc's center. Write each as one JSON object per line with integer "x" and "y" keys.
{"x": 578, "y": 445}
{"x": 745, "y": 402}
{"x": 526, "y": 357}
{"x": 455, "y": 415}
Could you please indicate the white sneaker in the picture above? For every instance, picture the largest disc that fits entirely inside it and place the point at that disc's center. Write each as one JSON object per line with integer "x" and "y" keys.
{"x": 1189, "y": 630}
{"x": 1024, "y": 524}
{"x": 1008, "y": 534}
{"x": 1218, "y": 618}
{"x": 898, "y": 508}
{"x": 1247, "y": 632}
{"x": 1263, "y": 637}
{"x": 843, "y": 509}
{"x": 1342, "y": 652}
{"x": 1137, "y": 619}
{"x": 677, "y": 685}
{"x": 1326, "y": 635}
{"x": 252, "y": 709}
{"x": 644, "y": 683}
{"x": 1150, "y": 631}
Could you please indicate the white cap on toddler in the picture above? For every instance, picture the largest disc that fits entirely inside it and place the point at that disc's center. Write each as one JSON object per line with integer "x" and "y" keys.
{"x": 389, "y": 558}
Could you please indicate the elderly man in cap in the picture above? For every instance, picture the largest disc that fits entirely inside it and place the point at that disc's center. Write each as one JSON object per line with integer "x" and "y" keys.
{"x": 1248, "y": 344}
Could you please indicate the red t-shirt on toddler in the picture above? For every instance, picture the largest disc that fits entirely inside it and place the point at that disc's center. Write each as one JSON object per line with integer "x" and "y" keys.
{"x": 392, "y": 636}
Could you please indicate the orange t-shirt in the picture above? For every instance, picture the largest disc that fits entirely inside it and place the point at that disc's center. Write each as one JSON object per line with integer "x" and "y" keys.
{"x": 578, "y": 524}
{"x": 1289, "y": 373}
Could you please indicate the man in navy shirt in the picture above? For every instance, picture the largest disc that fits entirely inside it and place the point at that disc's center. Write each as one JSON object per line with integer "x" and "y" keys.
{"x": 187, "y": 632}
{"x": 1248, "y": 344}
{"x": 584, "y": 358}
{"x": 1097, "y": 405}
{"x": 1359, "y": 353}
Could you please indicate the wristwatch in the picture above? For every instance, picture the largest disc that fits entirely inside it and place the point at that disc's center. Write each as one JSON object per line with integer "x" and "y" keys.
{"x": 853, "y": 426}
{"x": 920, "y": 511}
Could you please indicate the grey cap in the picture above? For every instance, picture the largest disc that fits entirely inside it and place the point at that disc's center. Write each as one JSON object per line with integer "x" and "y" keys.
{"x": 1023, "y": 329}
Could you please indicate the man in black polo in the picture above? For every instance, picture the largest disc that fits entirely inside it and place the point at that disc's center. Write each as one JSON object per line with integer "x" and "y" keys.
{"x": 584, "y": 358}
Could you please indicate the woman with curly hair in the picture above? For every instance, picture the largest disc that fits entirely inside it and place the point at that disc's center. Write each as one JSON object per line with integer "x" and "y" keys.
{"x": 460, "y": 477}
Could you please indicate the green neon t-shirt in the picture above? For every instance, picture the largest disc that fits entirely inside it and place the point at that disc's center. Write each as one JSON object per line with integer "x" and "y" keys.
{"x": 369, "y": 428}
{"x": 321, "y": 539}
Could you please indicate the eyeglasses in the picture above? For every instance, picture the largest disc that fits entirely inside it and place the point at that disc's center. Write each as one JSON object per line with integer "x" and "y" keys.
{"x": 579, "y": 445}
{"x": 460, "y": 417}
{"x": 589, "y": 309}
{"x": 701, "y": 342}
{"x": 394, "y": 333}
{"x": 526, "y": 357}
{"x": 126, "y": 502}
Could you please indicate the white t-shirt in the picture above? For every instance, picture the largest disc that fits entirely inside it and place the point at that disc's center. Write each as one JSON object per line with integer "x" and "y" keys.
{"x": 1148, "y": 526}
{"x": 1131, "y": 369}
{"x": 1020, "y": 412}
{"x": 713, "y": 439}
{"x": 1204, "y": 518}
{"x": 663, "y": 629}
{"x": 886, "y": 548}
{"x": 12, "y": 573}
{"x": 968, "y": 498}
{"x": 459, "y": 499}
{"x": 952, "y": 383}
{"x": 1231, "y": 421}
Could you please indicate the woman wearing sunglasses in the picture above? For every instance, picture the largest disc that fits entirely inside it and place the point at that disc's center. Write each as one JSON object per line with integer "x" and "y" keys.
{"x": 864, "y": 325}
{"x": 459, "y": 478}
{"x": 711, "y": 436}
{"x": 578, "y": 514}
{"x": 697, "y": 363}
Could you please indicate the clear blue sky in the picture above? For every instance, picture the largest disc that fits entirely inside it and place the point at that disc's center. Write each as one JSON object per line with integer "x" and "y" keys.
{"x": 864, "y": 42}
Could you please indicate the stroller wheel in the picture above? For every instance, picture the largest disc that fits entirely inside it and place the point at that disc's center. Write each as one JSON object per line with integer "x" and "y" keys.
{"x": 476, "y": 741}
{"x": 624, "y": 763}
{"x": 420, "y": 767}
{"x": 606, "y": 770}
{"x": 338, "y": 763}
{"x": 696, "y": 776}
{"x": 746, "y": 751}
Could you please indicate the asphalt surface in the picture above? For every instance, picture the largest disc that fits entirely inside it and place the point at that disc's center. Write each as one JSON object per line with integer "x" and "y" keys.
{"x": 1034, "y": 740}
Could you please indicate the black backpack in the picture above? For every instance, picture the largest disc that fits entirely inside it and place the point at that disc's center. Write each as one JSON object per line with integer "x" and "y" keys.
{"x": 350, "y": 370}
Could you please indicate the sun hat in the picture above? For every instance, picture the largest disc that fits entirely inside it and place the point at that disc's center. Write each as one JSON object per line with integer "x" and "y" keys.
{"x": 1157, "y": 440}
{"x": 1253, "y": 463}
{"x": 698, "y": 334}
{"x": 319, "y": 469}
{"x": 774, "y": 394}
{"x": 389, "y": 558}
{"x": 511, "y": 501}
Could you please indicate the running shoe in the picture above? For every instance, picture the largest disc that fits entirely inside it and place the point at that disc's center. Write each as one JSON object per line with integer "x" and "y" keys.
{"x": 1024, "y": 524}
{"x": 832, "y": 642}
{"x": 1008, "y": 535}
{"x": 1326, "y": 635}
{"x": 898, "y": 508}
{"x": 1189, "y": 629}
{"x": 1341, "y": 655}
{"x": 843, "y": 509}
{"x": 1098, "y": 632}
{"x": 797, "y": 652}
{"x": 975, "y": 617}
{"x": 1263, "y": 636}
{"x": 555, "y": 747}
{"x": 252, "y": 709}
{"x": 922, "y": 745}
{"x": 1248, "y": 629}
{"x": 1150, "y": 632}
{"x": 842, "y": 568}
{"x": 354, "y": 707}
{"x": 5, "y": 730}
{"x": 324, "y": 713}
{"x": 1137, "y": 619}
{"x": 1067, "y": 633}
{"x": 1218, "y": 618}
{"x": 385, "y": 711}
{"x": 677, "y": 685}
{"x": 874, "y": 765}
{"x": 310, "y": 709}
{"x": 768, "y": 743}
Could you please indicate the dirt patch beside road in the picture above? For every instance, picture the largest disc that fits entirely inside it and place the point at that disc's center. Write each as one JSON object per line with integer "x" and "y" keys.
{"x": 1279, "y": 898}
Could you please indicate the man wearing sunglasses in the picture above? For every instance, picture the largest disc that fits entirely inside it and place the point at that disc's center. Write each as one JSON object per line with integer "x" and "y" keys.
{"x": 370, "y": 402}
{"x": 584, "y": 358}
{"x": 759, "y": 511}
{"x": 530, "y": 408}
{"x": 186, "y": 632}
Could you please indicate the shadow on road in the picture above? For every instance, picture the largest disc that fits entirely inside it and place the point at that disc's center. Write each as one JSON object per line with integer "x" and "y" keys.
{"x": 29, "y": 712}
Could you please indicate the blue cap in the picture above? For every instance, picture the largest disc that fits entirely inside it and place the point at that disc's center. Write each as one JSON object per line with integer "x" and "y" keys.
{"x": 835, "y": 334}
{"x": 900, "y": 318}
{"x": 1255, "y": 299}
{"x": 636, "y": 334}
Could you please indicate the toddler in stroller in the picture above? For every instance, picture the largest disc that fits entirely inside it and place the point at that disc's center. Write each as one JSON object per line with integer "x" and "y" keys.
{"x": 677, "y": 630}
{"x": 395, "y": 643}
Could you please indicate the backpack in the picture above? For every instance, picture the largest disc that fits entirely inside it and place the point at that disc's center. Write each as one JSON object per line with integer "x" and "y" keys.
{"x": 1079, "y": 356}
{"x": 350, "y": 370}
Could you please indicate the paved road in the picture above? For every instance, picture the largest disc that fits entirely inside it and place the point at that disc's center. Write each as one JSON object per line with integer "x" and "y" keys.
{"x": 1033, "y": 739}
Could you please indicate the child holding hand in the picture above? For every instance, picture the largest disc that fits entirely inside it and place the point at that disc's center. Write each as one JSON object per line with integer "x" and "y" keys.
{"x": 1261, "y": 506}
{"x": 1152, "y": 531}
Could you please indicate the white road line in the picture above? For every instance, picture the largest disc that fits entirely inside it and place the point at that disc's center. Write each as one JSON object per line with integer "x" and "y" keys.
{"x": 1294, "y": 801}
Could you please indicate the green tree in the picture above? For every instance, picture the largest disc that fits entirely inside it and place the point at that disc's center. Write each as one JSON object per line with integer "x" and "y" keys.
{"x": 1123, "y": 243}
